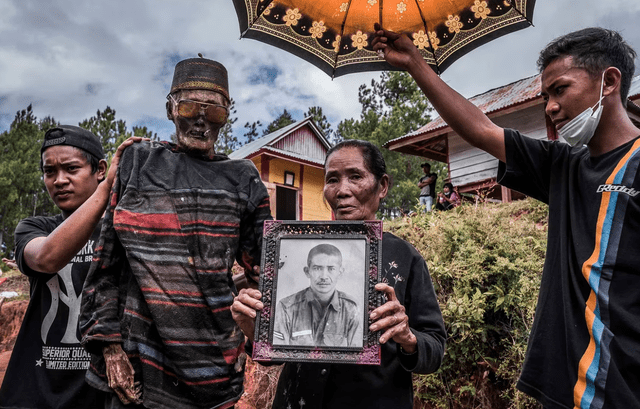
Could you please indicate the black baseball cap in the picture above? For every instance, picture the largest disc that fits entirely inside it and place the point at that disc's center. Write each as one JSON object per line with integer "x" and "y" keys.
{"x": 73, "y": 136}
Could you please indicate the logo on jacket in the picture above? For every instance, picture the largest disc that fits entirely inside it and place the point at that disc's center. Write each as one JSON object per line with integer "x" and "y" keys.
{"x": 63, "y": 291}
{"x": 618, "y": 188}
{"x": 70, "y": 299}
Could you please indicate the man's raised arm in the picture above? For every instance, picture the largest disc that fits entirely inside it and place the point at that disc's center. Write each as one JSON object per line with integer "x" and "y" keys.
{"x": 460, "y": 114}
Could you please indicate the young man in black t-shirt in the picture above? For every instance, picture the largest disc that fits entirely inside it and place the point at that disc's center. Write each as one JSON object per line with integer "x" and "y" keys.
{"x": 48, "y": 365}
{"x": 584, "y": 343}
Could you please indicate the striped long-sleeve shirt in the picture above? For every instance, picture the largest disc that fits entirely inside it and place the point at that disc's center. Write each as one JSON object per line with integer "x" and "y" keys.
{"x": 160, "y": 283}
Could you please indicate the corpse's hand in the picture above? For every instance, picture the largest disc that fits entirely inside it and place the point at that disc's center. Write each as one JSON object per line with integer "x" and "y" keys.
{"x": 120, "y": 375}
{"x": 249, "y": 279}
{"x": 398, "y": 49}
{"x": 391, "y": 319}
{"x": 244, "y": 309}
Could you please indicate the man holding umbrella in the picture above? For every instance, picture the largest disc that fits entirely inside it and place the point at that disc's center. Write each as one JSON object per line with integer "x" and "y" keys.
{"x": 583, "y": 347}
{"x": 155, "y": 308}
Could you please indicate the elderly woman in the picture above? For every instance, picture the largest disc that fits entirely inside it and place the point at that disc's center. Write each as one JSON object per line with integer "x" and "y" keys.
{"x": 410, "y": 322}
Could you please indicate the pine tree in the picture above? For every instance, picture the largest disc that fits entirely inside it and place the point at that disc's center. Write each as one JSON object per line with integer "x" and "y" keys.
{"x": 252, "y": 131}
{"x": 391, "y": 108}
{"x": 284, "y": 119}
{"x": 142, "y": 132}
{"x": 22, "y": 192}
{"x": 320, "y": 119}
{"x": 226, "y": 142}
{"x": 111, "y": 132}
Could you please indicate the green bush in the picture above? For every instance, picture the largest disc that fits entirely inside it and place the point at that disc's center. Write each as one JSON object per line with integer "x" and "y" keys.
{"x": 485, "y": 262}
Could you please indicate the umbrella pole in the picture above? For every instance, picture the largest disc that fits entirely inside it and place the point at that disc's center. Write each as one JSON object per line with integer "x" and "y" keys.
{"x": 344, "y": 21}
{"x": 380, "y": 52}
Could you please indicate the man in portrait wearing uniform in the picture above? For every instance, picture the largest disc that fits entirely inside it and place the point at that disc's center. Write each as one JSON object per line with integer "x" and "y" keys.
{"x": 319, "y": 315}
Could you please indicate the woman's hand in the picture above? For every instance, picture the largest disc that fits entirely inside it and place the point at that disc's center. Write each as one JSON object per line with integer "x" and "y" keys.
{"x": 244, "y": 310}
{"x": 120, "y": 375}
{"x": 392, "y": 319}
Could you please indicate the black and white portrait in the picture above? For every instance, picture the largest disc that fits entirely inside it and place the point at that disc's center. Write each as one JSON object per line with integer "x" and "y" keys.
{"x": 320, "y": 293}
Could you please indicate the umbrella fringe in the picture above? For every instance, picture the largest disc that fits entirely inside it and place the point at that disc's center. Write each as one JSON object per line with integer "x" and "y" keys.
{"x": 251, "y": 23}
{"x": 515, "y": 7}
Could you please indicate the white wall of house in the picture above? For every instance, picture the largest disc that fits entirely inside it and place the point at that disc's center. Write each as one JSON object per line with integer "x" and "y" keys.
{"x": 470, "y": 165}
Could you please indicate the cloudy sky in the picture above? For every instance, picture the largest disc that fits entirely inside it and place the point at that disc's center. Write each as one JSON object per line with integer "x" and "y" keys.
{"x": 70, "y": 58}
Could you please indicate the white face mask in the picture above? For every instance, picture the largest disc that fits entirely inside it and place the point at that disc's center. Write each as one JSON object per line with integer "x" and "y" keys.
{"x": 580, "y": 129}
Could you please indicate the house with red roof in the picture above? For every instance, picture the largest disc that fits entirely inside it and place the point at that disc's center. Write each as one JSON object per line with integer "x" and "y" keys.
{"x": 518, "y": 105}
{"x": 291, "y": 165}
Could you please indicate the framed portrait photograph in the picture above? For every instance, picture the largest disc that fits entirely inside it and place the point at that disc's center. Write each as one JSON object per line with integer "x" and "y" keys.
{"x": 317, "y": 284}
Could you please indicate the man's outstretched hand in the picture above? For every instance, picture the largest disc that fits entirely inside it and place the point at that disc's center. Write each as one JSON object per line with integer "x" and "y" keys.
{"x": 398, "y": 49}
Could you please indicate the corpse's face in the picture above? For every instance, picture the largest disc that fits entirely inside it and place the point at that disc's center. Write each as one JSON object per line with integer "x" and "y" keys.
{"x": 68, "y": 178}
{"x": 323, "y": 271}
{"x": 196, "y": 133}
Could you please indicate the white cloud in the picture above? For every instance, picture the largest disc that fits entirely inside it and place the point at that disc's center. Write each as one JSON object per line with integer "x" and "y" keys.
{"x": 72, "y": 57}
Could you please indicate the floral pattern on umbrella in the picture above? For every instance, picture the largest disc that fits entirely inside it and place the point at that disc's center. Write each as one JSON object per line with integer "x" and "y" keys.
{"x": 336, "y": 35}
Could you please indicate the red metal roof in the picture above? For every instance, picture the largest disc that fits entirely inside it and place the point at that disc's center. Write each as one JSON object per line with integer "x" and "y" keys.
{"x": 497, "y": 99}
{"x": 493, "y": 100}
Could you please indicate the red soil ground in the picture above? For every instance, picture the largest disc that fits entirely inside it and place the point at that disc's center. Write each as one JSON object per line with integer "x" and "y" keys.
{"x": 11, "y": 314}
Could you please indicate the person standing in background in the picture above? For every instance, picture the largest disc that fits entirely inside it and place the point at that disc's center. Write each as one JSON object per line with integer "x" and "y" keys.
{"x": 427, "y": 185}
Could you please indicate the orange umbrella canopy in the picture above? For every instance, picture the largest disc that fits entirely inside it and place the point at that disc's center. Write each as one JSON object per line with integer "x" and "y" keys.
{"x": 336, "y": 35}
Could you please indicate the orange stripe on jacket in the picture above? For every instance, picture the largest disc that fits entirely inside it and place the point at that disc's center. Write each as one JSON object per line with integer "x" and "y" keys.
{"x": 588, "y": 356}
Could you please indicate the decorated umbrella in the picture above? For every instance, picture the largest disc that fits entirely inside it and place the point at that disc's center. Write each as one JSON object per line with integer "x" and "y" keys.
{"x": 336, "y": 35}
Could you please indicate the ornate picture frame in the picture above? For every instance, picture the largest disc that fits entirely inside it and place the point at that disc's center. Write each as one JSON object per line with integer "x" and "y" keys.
{"x": 306, "y": 265}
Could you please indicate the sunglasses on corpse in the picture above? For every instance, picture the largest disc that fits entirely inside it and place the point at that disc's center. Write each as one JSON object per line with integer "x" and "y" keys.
{"x": 214, "y": 113}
